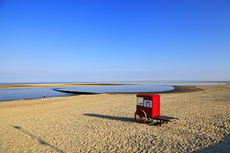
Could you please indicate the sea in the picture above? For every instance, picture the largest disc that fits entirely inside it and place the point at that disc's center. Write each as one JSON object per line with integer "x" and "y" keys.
{"x": 127, "y": 87}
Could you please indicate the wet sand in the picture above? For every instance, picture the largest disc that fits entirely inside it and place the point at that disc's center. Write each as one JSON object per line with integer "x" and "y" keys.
{"x": 105, "y": 123}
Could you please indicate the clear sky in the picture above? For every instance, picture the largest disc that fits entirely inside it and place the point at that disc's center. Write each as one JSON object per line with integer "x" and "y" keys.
{"x": 114, "y": 40}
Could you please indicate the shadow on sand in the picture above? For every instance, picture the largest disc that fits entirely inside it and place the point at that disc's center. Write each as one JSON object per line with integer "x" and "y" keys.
{"x": 124, "y": 119}
{"x": 42, "y": 142}
{"x": 223, "y": 146}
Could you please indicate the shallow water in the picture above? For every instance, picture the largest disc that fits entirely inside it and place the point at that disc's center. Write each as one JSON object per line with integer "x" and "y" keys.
{"x": 28, "y": 93}
{"x": 32, "y": 93}
{"x": 132, "y": 88}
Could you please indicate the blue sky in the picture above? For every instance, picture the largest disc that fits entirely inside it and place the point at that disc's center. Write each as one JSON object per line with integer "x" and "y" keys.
{"x": 114, "y": 40}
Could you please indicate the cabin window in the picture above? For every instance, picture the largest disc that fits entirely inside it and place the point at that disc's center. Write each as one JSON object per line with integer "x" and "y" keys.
{"x": 140, "y": 101}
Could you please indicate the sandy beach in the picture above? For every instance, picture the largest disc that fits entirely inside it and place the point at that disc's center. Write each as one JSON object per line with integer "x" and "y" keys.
{"x": 105, "y": 123}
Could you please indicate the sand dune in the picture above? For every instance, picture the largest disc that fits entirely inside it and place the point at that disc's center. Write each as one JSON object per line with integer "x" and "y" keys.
{"x": 105, "y": 123}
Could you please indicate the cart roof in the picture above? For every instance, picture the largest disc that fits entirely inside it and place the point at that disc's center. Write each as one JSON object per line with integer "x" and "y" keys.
{"x": 146, "y": 95}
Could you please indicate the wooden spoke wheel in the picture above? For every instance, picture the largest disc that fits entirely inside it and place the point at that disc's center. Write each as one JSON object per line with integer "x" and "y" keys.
{"x": 140, "y": 116}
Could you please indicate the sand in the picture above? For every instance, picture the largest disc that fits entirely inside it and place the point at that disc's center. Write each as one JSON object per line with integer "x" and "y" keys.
{"x": 105, "y": 123}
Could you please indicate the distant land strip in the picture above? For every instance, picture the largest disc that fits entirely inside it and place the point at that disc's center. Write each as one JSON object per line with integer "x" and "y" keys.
{"x": 17, "y": 86}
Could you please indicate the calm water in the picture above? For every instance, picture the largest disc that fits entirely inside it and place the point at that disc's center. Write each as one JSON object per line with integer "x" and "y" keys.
{"x": 28, "y": 93}
{"x": 120, "y": 88}
{"x": 32, "y": 93}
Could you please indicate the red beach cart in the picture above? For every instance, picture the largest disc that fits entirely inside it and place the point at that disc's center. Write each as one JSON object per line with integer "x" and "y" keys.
{"x": 148, "y": 108}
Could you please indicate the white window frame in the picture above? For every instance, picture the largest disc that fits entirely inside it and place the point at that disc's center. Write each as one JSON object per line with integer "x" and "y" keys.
{"x": 150, "y": 103}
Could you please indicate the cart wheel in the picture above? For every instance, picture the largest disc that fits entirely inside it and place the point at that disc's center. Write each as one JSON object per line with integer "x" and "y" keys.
{"x": 140, "y": 116}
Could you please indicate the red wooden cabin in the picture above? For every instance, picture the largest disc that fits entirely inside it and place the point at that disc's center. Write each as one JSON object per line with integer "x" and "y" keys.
{"x": 148, "y": 107}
